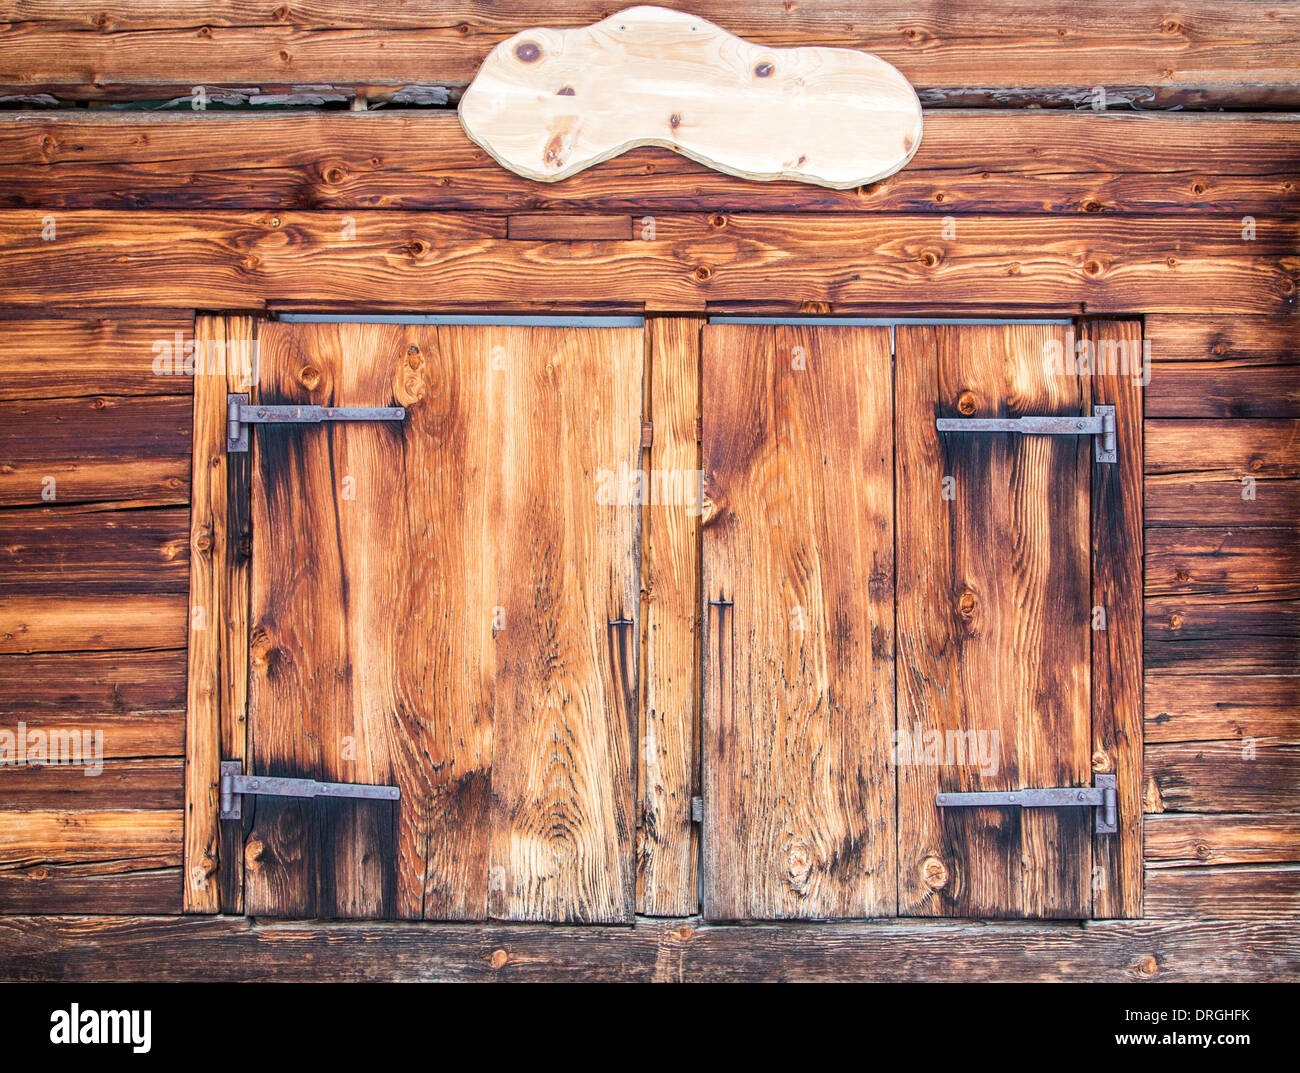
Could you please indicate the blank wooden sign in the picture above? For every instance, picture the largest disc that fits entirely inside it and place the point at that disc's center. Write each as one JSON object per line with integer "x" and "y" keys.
{"x": 549, "y": 103}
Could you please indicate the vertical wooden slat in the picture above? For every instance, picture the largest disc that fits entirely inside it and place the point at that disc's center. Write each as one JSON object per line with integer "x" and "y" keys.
{"x": 1117, "y": 591}
{"x": 203, "y": 695}
{"x": 992, "y": 623}
{"x": 798, "y": 573}
{"x": 668, "y": 758}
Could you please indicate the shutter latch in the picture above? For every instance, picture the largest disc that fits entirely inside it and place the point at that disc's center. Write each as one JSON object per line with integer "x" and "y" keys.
{"x": 239, "y": 415}
{"x": 1101, "y": 425}
{"x": 234, "y": 784}
{"x": 1101, "y": 795}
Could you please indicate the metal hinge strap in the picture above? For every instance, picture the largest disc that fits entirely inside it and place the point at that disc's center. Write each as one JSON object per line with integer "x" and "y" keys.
{"x": 1101, "y": 795}
{"x": 1101, "y": 425}
{"x": 235, "y": 784}
{"x": 240, "y": 414}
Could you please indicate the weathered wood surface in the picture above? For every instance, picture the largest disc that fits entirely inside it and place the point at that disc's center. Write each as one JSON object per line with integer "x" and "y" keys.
{"x": 229, "y": 948}
{"x": 61, "y": 451}
{"x": 1242, "y": 776}
{"x": 147, "y": 783}
{"x": 968, "y": 162}
{"x": 136, "y": 698}
{"x": 49, "y": 358}
{"x": 668, "y": 769}
{"x": 1214, "y": 473}
{"x": 550, "y": 103}
{"x": 1243, "y": 893}
{"x": 31, "y": 623}
{"x": 993, "y": 624}
{"x": 1117, "y": 572}
{"x": 1223, "y": 560}
{"x": 798, "y": 651}
{"x": 1222, "y": 708}
{"x": 118, "y": 860}
{"x": 414, "y": 260}
{"x": 1180, "y": 839}
{"x": 1222, "y": 634}
{"x": 486, "y": 664}
{"x": 52, "y": 553}
{"x": 1209, "y": 52}
{"x": 218, "y": 617}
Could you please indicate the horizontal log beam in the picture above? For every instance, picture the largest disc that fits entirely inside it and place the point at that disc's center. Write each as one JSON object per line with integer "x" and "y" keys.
{"x": 232, "y": 948}
{"x": 968, "y": 162}
{"x": 393, "y": 260}
{"x": 1209, "y": 52}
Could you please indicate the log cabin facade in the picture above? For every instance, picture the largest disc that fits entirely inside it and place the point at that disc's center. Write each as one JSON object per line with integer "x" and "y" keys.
{"x": 735, "y": 679}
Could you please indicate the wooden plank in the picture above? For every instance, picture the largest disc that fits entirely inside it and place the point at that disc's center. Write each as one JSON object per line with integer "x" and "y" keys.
{"x": 968, "y": 162}
{"x": 1214, "y": 498}
{"x": 1268, "y": 892}
{"x": 1230, "y": 449}
{"x": 53, "y": 553}
{"x": 798, "y": 666}
{"x": 544, "y": 227}
{"x": 1117, "y": 574}
{"x": 1222, "y": 707}
{"x": 96, "y": 949}
{"x": 125, "y": 887}
{"x": 137, "y": 699}
{"x": 668, "y": 759}
{"x": 60, "y": 836}
{"x": 1223, "y": 561}
{"x": 206, "y": 616}
{"x": 49, "y": 358}
{"x": 93, "y": 783}
{"x": 993, "y": 617}
{"x": 1222, "y": 634}
{"x": 91, "y": 623}
{"x": 1211, "y": 52}
{"x": 406, "y": 260}
{"x": 1244, "y": 341}
{"x": 60, "y": 451}
{"x": 1246, "y": 776}
{"x": 1182, "y": 839}
{"x": 1223, "y": 389}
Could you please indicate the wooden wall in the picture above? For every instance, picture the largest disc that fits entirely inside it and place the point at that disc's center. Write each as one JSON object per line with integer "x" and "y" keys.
{"x": 1189, "y": 218}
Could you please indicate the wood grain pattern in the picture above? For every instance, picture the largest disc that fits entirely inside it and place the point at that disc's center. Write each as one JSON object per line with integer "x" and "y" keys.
{"x": 1222, "y": 707}
{"x": 978, "y": 161}
{"x": 1211, "y": 52}
{"x": 48, "y": 358}
{"x": 798, "y": 666}
{"x": 149, "y": 784}
{"x": 550, "y": 103}
{"x": 668, "y": 759}
{"x": 218, "y": 619}
{"x": 230, "y": 948}
{"x": 129, "y": 887}
{"x": 1182, "y": 839}
{"x": 61, "y": 451}
{"x": 417, "y": 260}
{"x": 1222, "y": 634}
{"x": 62, "y": 836}
{"x": 91, "y": 623}
{"x": 1223, "y": 561}
{"x": 1243, "y": 776}
{"x": 52, "y": 553}
{"x": 1117, "y": 573}
{"x": 486, "y": 664}
{"x": 993, "y": 621}
{"x": 136, "y": 698}
{"x": 1214, "y": 498}
{"x": 1244, "y": 893}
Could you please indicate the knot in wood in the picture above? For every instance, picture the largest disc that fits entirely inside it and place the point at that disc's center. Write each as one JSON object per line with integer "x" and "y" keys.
{"x": 528, "y": 52}
{"x": 934, "y": 874}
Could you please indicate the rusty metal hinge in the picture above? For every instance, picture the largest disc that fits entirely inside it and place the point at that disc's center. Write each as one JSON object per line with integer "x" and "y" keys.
{"x": 1102, "y": 795}
{"x": 1101, "y": 425}
{"x": 239, "y": 415}
{"x": 235, "y": 784}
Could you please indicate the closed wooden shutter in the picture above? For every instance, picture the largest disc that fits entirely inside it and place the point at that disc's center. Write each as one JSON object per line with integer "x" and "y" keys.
{"x": 446, "y": 605}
